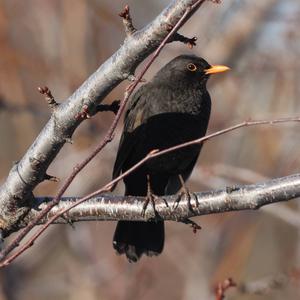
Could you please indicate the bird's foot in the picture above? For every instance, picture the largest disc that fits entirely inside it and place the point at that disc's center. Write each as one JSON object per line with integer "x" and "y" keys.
{"x": 183, "y": 193}
{"x": 151, "y": 197}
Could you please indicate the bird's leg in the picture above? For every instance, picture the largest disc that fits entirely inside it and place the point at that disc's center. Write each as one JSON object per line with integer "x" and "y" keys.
{"x": 184, "y": 192}
{"x": 149, "y": 198}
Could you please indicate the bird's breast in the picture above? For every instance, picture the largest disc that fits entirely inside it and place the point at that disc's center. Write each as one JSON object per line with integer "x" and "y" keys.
{"x": 170, "y": 129}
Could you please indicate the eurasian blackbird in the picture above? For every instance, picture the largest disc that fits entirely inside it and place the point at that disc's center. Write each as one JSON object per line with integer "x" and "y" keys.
{"x": 171, "y": 109}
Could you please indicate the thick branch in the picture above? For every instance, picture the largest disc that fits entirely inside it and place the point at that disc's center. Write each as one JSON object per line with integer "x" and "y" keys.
{"x": 110, "y": 207}
{"x": 16, "y": 193}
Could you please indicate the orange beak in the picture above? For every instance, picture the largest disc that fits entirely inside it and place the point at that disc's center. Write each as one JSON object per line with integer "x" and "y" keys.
{"x": 216, "y": 69}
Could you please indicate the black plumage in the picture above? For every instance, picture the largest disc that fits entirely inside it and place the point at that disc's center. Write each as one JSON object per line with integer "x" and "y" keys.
{"x": 171, "y": 109}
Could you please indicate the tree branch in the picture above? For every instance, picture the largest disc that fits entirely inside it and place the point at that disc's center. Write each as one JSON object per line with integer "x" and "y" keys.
{"x": 114, "y": 208}
{"x": 107, "y": 207}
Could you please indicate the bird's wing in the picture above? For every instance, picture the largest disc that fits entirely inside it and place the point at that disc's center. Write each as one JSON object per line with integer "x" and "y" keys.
{"x": 134, "y": 117}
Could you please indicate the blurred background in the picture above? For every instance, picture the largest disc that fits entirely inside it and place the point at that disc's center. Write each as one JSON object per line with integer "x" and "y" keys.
{"x": 59, "y": 43}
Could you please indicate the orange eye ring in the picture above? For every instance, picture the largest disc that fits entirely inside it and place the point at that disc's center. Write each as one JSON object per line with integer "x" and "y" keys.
{"x": 191, "y": 67}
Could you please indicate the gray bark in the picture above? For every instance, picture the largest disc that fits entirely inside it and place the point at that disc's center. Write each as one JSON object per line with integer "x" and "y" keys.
{"x": 236, "y": 198}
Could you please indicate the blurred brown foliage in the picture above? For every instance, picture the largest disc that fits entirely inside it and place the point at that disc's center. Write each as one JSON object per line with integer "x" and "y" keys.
{"x": 59, "y": 43}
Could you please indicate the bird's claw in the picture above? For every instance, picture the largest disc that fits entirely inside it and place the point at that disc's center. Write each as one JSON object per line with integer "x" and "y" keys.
{"x": 185, "y": 193}
{"x": 150, "y": 198}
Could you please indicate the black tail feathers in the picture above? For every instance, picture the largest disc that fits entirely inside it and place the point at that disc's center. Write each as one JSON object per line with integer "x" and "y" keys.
{"x": 136, "y": 238}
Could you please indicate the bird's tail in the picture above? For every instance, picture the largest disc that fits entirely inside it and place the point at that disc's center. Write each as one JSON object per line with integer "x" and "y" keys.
{"x": 136, "y": 238}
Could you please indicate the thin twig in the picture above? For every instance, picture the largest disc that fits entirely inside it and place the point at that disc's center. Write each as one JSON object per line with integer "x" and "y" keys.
{"x": 51, "y": 178}
{"x": 127, "y": 21}
{"x": 48, "y": 96}
{"x": 113, "y": 107}
{"x": 158, "y": 153}
{"x": 190, "y": 42}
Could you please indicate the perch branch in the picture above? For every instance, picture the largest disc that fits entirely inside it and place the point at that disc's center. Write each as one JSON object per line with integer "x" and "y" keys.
{"x": 113, "y": 107}
{"x": 109, "y": 207}
{"x": 113, "y": 208}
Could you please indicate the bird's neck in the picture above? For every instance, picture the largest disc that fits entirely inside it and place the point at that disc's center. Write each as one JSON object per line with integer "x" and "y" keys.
{"x": 184, "y": 97}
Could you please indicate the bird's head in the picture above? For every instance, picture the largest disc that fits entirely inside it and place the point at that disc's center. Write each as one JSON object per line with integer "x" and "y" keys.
{"x": 188, "y": 68}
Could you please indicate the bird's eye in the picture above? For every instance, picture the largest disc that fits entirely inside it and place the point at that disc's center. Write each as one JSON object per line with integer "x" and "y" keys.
{"x": 191, "y": 67}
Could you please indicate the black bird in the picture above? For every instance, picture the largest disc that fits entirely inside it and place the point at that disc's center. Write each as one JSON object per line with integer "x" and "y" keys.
{"x": 171, "y": 109}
